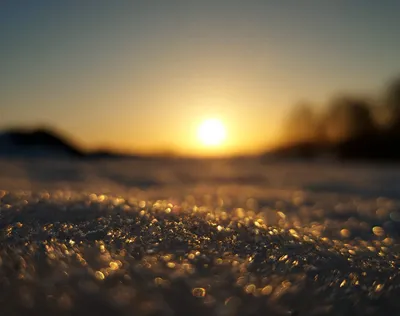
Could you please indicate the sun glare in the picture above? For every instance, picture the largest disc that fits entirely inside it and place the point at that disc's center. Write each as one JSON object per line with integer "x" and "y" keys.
{"x": 211, "y": 132}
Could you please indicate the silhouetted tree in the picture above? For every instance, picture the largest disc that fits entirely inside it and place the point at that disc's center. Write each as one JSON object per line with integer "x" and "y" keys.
{"x": 300, "y": 125}
{"x": 349, "y": 128}
{"x": 392, "y": 101}
{"x": 347, "y": 118}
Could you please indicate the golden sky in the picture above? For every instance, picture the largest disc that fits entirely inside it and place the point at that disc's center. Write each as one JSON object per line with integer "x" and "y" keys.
{"x": 143, "y": 75}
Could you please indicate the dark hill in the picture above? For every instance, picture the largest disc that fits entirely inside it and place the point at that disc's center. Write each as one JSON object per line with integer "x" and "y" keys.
{"x": 36, "y": 143}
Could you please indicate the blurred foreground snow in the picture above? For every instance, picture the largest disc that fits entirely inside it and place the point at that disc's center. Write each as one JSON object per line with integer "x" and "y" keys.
{"x": 195, "y": 238}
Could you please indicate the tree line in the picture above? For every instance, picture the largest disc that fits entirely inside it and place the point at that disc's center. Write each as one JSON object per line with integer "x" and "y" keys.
{"x": 348, "y": 127}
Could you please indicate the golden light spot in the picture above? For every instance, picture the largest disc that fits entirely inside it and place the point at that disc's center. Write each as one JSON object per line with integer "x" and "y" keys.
{"x": 102, "y": 248}
{"x": 267, "y": 290}
{"x": 99, "y": 275}
{"x": 379, "y": 287}
{"x": 199, "y": 292}
{"x": 158, "y": 281}
{"x": 239, "y": 212}
{"x": 345, "y": 233}
{"x": 293, "y": 233}
{"x": 283, "y": 258}
{"x": 281, "y": 215}
{"x": 171, "y": 265}
{"x": 114, "y": 265}
{"x": 142, "y": 204}
{"x": 250, "y": 288}
{"x": 388, "y": 241}
{"x": 343, "y": 283}
{"x": 378, "y": 231}
{"x": 167, "y": 258}
{"x": 52, "y": 256}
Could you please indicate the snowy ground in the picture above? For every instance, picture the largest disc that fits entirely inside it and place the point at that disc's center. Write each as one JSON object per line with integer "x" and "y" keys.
{"x": 196, "y": 238}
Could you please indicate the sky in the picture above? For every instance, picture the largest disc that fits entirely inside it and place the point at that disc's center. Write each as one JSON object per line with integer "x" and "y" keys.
{"x": 142, "y": 75}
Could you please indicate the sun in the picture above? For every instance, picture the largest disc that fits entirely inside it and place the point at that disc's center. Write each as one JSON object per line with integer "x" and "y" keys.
{"x": 211, "y": 132}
